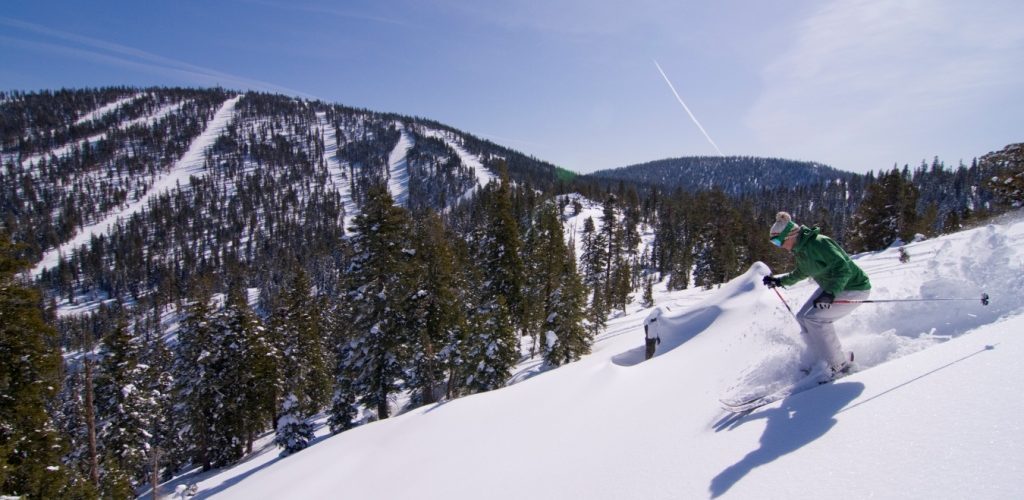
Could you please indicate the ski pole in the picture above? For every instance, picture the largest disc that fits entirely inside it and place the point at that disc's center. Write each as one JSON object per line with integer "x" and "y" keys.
{"x": 783, "y": 301}
{"x": 984, "y": 300}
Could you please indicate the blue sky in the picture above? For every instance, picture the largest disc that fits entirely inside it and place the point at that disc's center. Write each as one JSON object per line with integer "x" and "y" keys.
{"x": 856, "y": 84}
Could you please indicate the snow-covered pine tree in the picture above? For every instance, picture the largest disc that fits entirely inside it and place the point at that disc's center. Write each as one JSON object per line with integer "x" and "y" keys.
{"x": 491, "y": 344}
{"x": 433, "y": 312}
{"x": 125, "y": 408}
{"x": 490, "y": 348}
{"x": 648, "y": 298}
{"x": 294, "y": 432}
{"x": 242, "y": 360}
{"x": 168, "y": 450}
{"x": 377, "y": 349}
{"x": 296, "y": 328}
{"x": 501, "y": 247}
{"x": 70, "y": 420}
{"x": 888, "y": 213}
{"x": 30, "y": 446}
{"x": 593, "y": 263}
{"x": 196, "y": 379}
{"x": 594, "y": 254}
{"x": 617, "y": 274}
{"x": 561, "y": 292}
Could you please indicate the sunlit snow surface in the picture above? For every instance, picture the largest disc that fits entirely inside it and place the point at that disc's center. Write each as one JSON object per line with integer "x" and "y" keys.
{"x": 932, "y": 413}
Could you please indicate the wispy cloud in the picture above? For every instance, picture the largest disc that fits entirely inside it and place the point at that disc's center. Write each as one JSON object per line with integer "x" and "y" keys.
{"x": 101, "y": 51}
{"x": 872, "y": 72}
{"x": 329, "y": 10}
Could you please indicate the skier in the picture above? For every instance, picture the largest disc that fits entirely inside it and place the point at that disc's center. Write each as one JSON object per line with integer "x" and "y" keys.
{"x": 651, "y": 335}
{"x": 820, "y": 258}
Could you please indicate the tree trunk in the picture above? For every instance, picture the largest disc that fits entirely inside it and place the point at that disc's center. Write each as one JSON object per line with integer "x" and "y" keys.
{"x": 90, "y": 422}
{"x": 154, "y": 477}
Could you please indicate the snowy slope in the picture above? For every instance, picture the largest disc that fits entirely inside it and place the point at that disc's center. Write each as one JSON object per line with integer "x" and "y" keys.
{"x": 106, "y": 108}
{"x": 483, "y": 176}
{"x": 398, "y": 169}
{"x": 190, "y": 164}
{"x": 339, "y": 177}
{"x": 932, "y": 413}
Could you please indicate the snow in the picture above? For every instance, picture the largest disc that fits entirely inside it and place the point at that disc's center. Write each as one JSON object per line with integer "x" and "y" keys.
{"x": 338, "y": 176}
{"x": 105, "y": 109}
{"x": 190, "y": 164}
{"x": 398, "y": 169}
{"x": 483, "y": 176}
{"x": 924, "y": 417}
{"x": 64, "y": 150}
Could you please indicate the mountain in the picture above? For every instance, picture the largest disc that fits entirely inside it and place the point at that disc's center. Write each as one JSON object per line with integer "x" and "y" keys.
{"x": 929, "y": 414}
{"x": 732, "y": 174}
{"x": 127, "y": 192}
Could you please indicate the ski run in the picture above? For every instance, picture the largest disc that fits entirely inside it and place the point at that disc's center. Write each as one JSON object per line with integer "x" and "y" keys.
{"x": 398, "y": 168}
{"x": 932, "y": 411}
{"x": 190, "y": 164}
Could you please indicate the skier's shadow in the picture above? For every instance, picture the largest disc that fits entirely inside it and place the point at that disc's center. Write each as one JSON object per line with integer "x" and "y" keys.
{"x": 798, "y": 421}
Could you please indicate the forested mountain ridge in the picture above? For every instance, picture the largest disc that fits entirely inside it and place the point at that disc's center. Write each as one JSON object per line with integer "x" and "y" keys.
{"x": 278, "y": 169}
{"x": 733, "y": 175}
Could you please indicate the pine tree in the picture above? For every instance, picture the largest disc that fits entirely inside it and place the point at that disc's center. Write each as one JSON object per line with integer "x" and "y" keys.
{"x": 593, "y": 262}
{"x": 648, "y": 299}
{"x": 167, "y": 453}
{"x": 612, "y": 238}
{"x": 30, "y": 446}
{"x": 433, "y": 313}
{"x": 491, "y": 345}
{"x": 501, "y": 251}
{"x": 304, "y": 363}
{"x": 196, "y": 381}
{"x": 294, "y": 432}
{"x": 377, "y": 350}
{"x": 490, "y": 350}
{"x": 888, "y": 213}
{"x": 242, "y": 356}
{"x": 125, "y": 408}
{"x": 593, "y": 259}
{"x": 561, "y": 291}
{"x": 596, "y": 314}
{"x": 618, "y": 279}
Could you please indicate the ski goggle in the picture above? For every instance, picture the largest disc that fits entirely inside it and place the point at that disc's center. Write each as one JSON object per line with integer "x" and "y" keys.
{"x": 781, "y": 237}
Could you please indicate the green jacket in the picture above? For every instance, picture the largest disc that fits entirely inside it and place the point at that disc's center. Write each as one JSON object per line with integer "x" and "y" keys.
{"x": 822, "y": 259}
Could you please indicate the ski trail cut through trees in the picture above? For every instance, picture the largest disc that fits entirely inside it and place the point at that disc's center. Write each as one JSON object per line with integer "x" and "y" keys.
{"x": 341, "y": 179}
{"x": 483, "y": 176}
{"x": 398, "y": 169}
{"x": 190, "y": 164}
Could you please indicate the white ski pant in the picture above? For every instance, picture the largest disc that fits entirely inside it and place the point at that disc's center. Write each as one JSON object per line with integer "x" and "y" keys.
{"x": 816, "y": 325}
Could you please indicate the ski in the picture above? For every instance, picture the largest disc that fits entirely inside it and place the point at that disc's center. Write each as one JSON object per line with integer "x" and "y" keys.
{"x": 810, "y": 380}
{"x": 813, "y": 379}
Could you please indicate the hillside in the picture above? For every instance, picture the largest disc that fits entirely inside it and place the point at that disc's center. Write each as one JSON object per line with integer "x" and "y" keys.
{"x": 732, "y": 174}
{"x": 925, "y": 416}
{"x": 127, "y": 193}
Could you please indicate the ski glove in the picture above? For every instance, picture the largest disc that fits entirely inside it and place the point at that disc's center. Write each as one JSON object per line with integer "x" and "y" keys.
{"x": 824, "y": 301}
{"x": 771, "y": 281}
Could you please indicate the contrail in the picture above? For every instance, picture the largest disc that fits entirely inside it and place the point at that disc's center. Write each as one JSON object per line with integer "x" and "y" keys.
{"x": 687, "y": 108}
